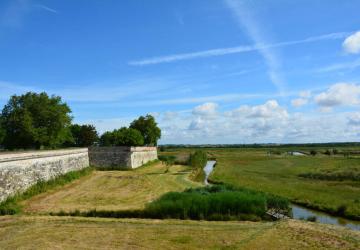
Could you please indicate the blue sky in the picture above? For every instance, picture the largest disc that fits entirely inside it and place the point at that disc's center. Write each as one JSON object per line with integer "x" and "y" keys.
{"x": 221, "y": 71}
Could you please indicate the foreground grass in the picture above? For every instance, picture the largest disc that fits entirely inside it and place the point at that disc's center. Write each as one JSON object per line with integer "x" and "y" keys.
{"x": 43, "y": 232}
{"x": 281, "y": 175}
{"x": 113, "y": 190}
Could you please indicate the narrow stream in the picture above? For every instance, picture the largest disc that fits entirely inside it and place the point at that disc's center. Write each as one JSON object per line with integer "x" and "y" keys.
{"x": 300, "y": 212}
{"x": 208, "y": 169}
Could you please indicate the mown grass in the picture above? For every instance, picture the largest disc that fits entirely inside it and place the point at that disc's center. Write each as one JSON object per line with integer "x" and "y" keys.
{"x": 279, "y": 174}
{"x": 113, "y": 190}
{"x": 12, "y": 204}
{"x": 44, "y": 232}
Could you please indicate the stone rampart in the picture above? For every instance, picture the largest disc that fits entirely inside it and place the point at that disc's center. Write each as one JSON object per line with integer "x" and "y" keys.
{"x": 19, "y": 171}
{"x": 122, "y": 157}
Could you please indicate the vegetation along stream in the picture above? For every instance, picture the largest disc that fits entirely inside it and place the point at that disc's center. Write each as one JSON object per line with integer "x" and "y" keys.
{"x": 300, "y": 212}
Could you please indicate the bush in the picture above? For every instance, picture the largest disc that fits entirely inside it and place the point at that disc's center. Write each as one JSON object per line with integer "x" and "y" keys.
{"x": 313, "y": 152}
{"x": 198, "y": 159}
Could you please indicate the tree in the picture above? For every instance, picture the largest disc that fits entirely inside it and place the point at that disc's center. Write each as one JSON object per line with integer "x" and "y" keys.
{"x": 128, "y": 137}
{"x": 2, "y": 131}
{"x": 107, "y": 139}
{"x": 35, "y": 120}
{"x": 2, "y": 134}
{"x": 148, "y": 128}
{"x": 122, "y": 137}
{"x": 84, "y": 135}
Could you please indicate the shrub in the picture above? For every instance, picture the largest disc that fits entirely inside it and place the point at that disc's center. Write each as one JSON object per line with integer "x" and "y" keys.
{"x": 313, "y": 152}
{"x": 198, "y": 159}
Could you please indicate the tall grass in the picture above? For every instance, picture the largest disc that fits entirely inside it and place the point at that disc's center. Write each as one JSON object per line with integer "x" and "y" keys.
{"x": 12, "y": 204}
{"x": 218, "y": 202}
{"x": 198, "y": 161}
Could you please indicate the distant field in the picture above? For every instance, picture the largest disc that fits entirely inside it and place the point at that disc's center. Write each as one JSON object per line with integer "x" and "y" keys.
{"x": 44, "y": 232}
{"x": 113, "y": 190}
{"x": 279, "y": 174}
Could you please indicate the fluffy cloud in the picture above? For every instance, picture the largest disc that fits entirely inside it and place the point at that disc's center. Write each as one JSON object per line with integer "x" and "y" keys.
{"x": 352, "y": 43}
{"x": 270, "y": 109}
{"x": 339, "y": 94}
{"x": 206, "y": 110}
{"x": 299, "y": 102}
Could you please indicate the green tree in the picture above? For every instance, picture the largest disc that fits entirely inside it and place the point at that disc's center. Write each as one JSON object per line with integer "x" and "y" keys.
{"x": 84, "y": 135}
{"x": 128, "y": 137}
{"x": 148, "y": 128}
{"x": 2, "y": 134}
{"x": 35, "y": 120}
{"x": 107, "y": 139}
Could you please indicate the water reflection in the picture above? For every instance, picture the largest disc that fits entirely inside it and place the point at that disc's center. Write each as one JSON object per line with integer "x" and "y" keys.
{"x": 304, "y": 213}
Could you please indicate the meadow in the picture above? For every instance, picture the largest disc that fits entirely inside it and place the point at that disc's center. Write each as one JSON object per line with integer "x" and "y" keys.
{"x": 294, "y": 177}
{"x": 35, "y": 227}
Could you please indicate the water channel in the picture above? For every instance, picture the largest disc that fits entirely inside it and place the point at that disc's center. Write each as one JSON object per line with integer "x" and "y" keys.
{"x": 300, "y": 212}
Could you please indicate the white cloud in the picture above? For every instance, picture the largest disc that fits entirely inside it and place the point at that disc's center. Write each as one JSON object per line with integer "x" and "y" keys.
{"x": 341, "y": 66}
{"x": 352, "y": 43}
{"x": 206, "y": 110}
{"x": 299, "y": 102}
{"x": 44, "y": 7}
{"x": 270, "y": 109}
{"x": 232, "y": 50}
{"x": 339, "y": 94}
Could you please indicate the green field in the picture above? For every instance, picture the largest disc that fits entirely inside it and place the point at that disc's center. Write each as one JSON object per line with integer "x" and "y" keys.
{"x": 122, "y": 190}
{"x": 279, "y": 174}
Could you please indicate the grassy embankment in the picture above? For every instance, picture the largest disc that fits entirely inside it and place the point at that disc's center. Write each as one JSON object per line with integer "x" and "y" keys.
{"x": 113, "y": 190}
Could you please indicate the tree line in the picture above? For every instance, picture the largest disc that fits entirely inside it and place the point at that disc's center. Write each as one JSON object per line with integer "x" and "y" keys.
{"x": 39, "y": 121}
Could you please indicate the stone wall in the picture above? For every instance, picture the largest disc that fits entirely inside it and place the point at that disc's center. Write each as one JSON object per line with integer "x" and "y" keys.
{"x": 122, "y": 157}
{"x": 19, "y": 171}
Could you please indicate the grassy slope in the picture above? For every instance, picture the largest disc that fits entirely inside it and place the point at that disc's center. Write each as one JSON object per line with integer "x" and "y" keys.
{"x": 112, "y": 190}
{"x": 35, "y": 232}
{"x": 279, "y": 175}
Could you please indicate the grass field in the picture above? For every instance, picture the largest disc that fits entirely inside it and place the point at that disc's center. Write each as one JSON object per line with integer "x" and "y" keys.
{"x": 44, "y": 232}
{"x": 112, "y": 190}
{"x": 118, "y": 190}
{"x": 280, "y": 175}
